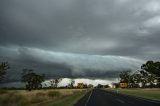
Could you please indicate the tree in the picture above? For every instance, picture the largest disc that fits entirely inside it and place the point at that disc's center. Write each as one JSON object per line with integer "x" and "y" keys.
{"x": 106, "y": 86}
{"x": 4, "y": 66}
{"x": 54, "y": 82}
{"x": 57, "y": 80}
{"x": 135, "y": 79}
{"x": 152, "y": 67}
{"x": 147, "y": 77}
{"x": 31, "y": 79}
{"x": 131, "y": 79}
{"x": 115, "y": 85}
{"x": 72, "y": 82}
{"x": 125, "y": 76}
{"x": 99, "y": 86}
{"x": 144, "y": 77}
{"x": 90, "y": 86}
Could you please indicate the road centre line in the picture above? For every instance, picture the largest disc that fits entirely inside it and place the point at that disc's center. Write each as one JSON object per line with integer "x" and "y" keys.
{"x": 120, "y": 101}
{"x": 88, "y": 98}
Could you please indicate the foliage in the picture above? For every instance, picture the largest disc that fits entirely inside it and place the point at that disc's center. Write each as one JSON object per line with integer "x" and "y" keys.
{"x": 150, "y": 71}
{"x": 152, "y": 67}
{"x": 125, "y": 76}
{"x": 71, "y": 84}
{"x": 139, "y": 77}
{"x": 106, "y": 86}
{"x": 90, "y": 86}
{"x": 54, "y": 82}
{"x": 99, "y": 86}
{"x": 32, "y": 80}
{"x": 3, "y": 67}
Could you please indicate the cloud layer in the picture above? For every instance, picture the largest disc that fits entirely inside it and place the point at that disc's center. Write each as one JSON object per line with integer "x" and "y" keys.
{"x": 58, "y": 64}
{"x": 78, "y": 38}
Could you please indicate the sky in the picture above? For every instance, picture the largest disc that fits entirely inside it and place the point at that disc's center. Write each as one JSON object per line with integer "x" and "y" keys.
{"x": 90, "y": 39}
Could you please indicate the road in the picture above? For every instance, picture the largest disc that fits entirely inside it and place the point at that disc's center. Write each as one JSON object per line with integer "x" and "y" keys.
{"x": 99, "y": 97}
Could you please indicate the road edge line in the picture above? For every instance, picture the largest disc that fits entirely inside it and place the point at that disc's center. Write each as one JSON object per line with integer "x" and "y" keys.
{"x": 141, "y": 98}
{"x": 88, "y": 98}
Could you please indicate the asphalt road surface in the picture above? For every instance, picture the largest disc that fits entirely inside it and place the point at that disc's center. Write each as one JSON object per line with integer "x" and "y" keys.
{"x": 99, "y": 97}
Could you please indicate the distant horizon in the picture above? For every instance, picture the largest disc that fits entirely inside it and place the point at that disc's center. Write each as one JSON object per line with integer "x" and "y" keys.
{"x": 63, "y": 83}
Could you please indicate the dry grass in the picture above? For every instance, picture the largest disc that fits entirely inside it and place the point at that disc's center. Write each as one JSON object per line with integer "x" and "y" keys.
{"x": 29, "y": 98}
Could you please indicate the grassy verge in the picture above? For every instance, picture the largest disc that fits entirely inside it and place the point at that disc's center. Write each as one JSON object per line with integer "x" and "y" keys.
{"x": 59, "y": 97}
{"x": 69, "y": 100}
{"x": 152, "y": 93}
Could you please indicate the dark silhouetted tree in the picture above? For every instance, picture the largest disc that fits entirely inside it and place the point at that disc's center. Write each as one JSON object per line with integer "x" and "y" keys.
{"x": 90, "y": 86}
{"x": 106, "y": 86}
{"x": 72, "y": 82}
{"x": 147, "y": 77}
{"x": 125, "y": 76}
{"x": 152, "y": 67}
{"x": 135, "y": 79}
{"x": 55, "y": 82}
{"x": 99, "y": 86}
{"x": 4, "y": 66}
{"x": 31, "y": 79}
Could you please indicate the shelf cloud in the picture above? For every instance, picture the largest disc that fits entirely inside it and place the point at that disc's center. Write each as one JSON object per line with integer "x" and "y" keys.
{"x": 78, "y": 38}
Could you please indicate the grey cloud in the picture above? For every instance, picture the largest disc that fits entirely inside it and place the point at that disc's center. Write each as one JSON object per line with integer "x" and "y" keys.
{"x": 58, "y": 64}
{"x": 68, "y": 26}
{"x": 61, "y": 34}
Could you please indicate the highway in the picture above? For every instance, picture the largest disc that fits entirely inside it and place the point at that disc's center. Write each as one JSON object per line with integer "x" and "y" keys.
{"x": 99, "y": 97}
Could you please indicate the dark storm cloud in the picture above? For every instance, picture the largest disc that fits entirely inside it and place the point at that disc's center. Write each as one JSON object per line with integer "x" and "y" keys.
{"x": 71, "y": 36}
{"x": 58, "y": 64}
{"x": 92, "y": 27}
{"x": 80, "y": 26}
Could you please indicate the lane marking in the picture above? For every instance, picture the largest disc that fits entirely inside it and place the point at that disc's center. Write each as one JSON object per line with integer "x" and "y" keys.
{"x": 120, "y": 101}
{"x": 88, "y": 98}
{"x": 141, "y": 98}
{"x": 145, "y": 99}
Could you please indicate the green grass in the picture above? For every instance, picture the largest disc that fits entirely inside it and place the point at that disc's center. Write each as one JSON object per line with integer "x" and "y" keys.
{"x": 53, "y": 97}
{"x": 152, "y": 93}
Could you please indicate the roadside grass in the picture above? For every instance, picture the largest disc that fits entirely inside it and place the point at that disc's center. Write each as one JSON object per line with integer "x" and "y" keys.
{"x": 3, "y": 91}
{"x": 55, "y": 97}
{"x": 68, "y": 100}
{"x": 149, "y": 93}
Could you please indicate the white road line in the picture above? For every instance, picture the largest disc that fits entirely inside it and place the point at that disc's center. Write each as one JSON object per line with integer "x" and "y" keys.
{"x": 141, "y": 98}
{"x": 88, "y": 98}
{"x": 148, "y": 100}
{"x": 120, "y": 100}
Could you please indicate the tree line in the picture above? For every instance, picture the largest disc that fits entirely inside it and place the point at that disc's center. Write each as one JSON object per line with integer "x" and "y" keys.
{"x": 147, "y": 76}
{"x": 33, "y": 80}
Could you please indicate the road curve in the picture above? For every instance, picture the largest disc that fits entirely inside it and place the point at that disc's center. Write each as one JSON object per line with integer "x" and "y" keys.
{"x": 99, "y": 97}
